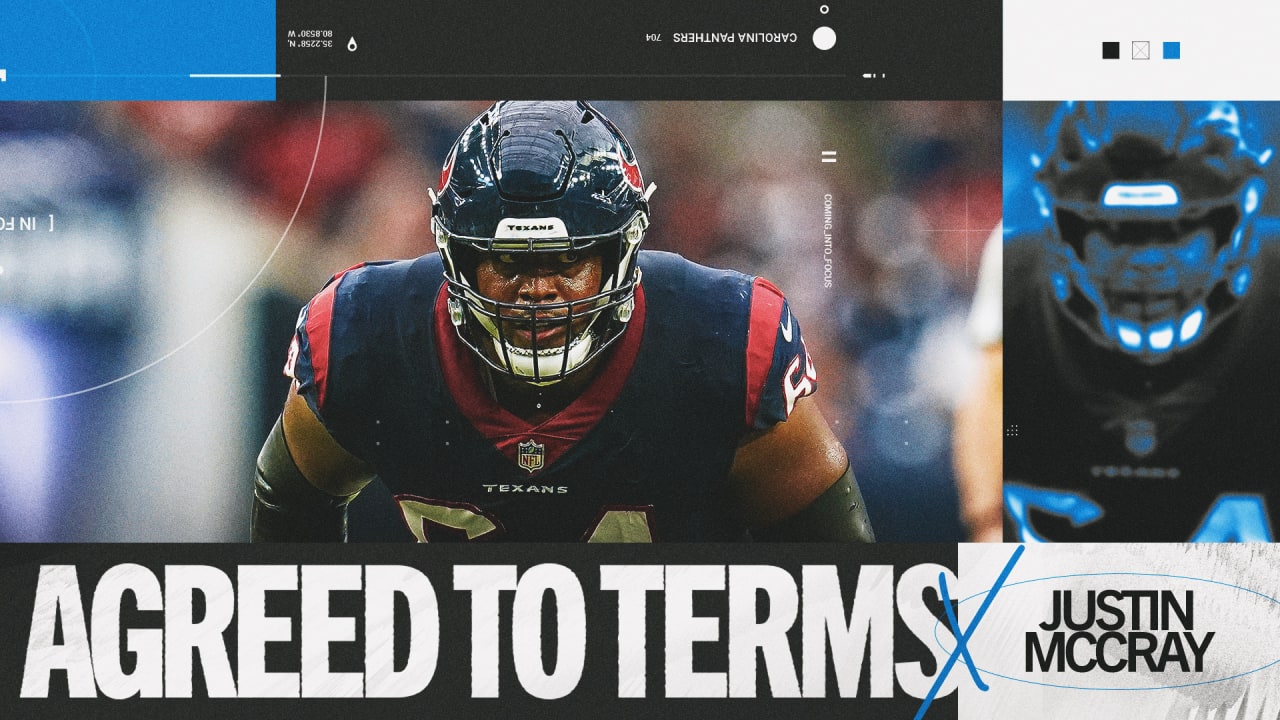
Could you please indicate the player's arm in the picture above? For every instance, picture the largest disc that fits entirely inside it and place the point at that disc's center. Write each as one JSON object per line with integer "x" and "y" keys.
{"x": 792, "y": 482}
{"x": 977, "y": 443}
{"x": 304, "y": 480}
{"x": 979, "y": 447}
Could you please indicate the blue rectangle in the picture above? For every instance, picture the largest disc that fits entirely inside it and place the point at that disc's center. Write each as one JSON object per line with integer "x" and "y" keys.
{"x": 1173, "y": 51}
{"x": 137, "y": 50}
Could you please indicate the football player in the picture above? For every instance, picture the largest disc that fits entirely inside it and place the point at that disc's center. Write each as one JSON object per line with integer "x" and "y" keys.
{"x": 1140, "y": 387}
{"x": 542, "y": 378}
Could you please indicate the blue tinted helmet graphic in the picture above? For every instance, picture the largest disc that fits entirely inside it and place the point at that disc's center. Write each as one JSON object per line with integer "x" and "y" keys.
{"x": 540, "y": 177}
{"x": 1152, "y": 208}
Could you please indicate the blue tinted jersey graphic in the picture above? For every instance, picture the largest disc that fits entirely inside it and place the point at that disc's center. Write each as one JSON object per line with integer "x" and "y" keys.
{"x": 1141, "y": 291}
{"x": 1106, "y": 449}
{"x": 641, "y": 455}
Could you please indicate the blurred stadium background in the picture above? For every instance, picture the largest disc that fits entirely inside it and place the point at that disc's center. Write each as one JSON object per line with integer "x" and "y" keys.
{"x": 164, "y": 213}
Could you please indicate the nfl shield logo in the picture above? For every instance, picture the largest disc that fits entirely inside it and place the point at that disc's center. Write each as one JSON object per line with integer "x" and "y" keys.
{"x": 1140, "y": 437}
{"x": 531, "y": 455}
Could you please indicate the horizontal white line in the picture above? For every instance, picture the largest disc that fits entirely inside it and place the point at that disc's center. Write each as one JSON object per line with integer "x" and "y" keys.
{"x": 828, "y": 159}
{"x": 828, "y": 152}
{"x": 234, "y": 75}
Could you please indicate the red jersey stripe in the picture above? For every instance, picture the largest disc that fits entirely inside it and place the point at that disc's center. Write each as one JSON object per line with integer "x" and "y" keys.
{"x": 762, "y": 335}
{"x": 505, "y": 430}
{"x": 319, "y": 328}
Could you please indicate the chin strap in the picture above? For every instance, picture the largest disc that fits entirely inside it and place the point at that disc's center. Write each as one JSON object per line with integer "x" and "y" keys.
{"x": 837, "y": 515}
{"x": 286, "y": 506}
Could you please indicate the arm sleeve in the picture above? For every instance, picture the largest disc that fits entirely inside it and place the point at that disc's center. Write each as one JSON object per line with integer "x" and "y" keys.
{"x": 288, "y": 508}
{"x": 779, "y": 369}
{"x": 837, "y": 515}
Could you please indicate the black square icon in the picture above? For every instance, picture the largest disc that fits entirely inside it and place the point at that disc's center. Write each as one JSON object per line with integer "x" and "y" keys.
{"x": 1110, "y": 51}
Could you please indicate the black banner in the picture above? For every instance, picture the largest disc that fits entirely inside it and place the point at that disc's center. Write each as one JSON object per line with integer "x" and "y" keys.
{"x": 245, "y": 631}
{"x": 640, "y": 50}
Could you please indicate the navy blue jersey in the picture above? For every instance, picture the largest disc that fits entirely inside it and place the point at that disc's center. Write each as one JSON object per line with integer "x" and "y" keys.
{"x": 642, "y": 454}
{"x": 1100, "y": 447}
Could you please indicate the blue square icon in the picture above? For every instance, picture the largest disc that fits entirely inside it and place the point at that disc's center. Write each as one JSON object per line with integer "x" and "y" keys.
{"x": 1173, "y": 51}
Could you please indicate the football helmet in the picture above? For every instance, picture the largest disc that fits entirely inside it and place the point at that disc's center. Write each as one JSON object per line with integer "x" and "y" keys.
{"x": 540, "y": 177}
{"x": 1152, "y": 208}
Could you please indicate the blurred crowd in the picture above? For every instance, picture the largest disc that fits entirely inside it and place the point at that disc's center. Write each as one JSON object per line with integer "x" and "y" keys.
{"x": 142, "y": 336}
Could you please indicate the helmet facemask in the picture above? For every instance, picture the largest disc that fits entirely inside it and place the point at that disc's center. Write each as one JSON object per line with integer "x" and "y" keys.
{"x": 1153, "y": 225}
{"x": 560, "y": 337}
{"x": 1151, "y": 285}
{"x": 527, "y": 178}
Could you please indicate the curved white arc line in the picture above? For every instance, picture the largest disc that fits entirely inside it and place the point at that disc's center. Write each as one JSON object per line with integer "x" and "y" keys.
{"x": 252, "y": 281}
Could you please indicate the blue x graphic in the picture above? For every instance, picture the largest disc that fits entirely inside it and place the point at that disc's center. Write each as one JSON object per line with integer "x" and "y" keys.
{"x": 962, "y": 638}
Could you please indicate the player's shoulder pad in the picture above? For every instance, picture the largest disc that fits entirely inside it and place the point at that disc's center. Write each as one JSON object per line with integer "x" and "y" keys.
{"x": 704, "y": 308}
{"x": 709, "y": 301}
{"x": 354, "y": 309}
{"x": 387, "y": 283}
{"x": 669, "y": 272}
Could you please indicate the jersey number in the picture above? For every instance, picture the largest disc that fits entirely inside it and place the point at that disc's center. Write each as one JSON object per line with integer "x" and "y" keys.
{"x": 614, "y": 524}
{"x": 802, "y": 387}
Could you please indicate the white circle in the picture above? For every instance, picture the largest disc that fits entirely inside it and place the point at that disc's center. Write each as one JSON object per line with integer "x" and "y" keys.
{"x": 824, "y": 38}
{"x": 824, "y": 9}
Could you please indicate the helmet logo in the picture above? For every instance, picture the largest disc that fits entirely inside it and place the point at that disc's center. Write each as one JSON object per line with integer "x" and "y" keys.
{"x": 1140, "y": 437}
{"x": 446, "y": 172}
{"x": 631, "y": 171}
{"x": 531, "y": 455}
